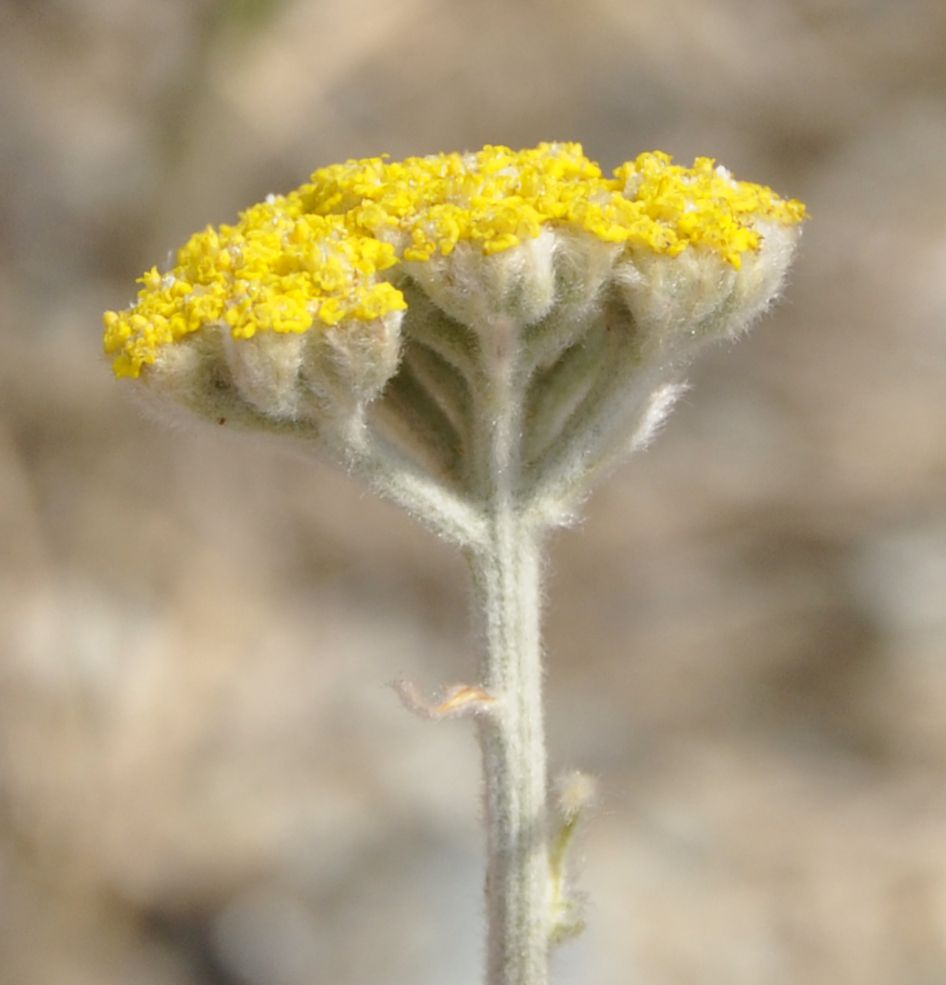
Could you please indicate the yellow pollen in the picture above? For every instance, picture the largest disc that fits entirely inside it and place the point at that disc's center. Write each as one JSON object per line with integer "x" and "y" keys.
{"x": 329, "y": 250}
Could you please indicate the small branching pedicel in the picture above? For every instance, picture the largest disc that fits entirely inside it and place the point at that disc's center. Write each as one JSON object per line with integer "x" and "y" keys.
{"x": 479, "y": 337}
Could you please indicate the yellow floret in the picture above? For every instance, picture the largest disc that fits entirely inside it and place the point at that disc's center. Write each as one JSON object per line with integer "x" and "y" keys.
{"x": 321, "y": 254}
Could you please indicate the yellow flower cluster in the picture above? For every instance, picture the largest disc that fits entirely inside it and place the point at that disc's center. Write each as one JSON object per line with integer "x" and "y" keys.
{"x": 318, "y": 255}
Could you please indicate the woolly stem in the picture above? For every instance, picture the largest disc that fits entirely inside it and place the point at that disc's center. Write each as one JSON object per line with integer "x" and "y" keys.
{"x": 375, "y": 461}
{"x": 507, "y": 598}
{"x": 506, "y": 568}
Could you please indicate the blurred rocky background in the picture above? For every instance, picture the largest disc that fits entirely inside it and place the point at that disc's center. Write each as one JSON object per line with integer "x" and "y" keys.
{"x": 203, "y": 777}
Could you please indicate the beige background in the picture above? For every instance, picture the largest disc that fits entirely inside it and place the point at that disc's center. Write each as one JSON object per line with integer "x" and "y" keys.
{"x": 204, "y": 780}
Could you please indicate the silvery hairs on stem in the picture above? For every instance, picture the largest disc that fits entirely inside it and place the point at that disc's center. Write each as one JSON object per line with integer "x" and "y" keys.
{"x": 480, "y": 337}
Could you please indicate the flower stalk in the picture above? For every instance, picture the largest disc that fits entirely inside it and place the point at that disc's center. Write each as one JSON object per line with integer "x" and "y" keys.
{"x": 479, "y": 338}
{"x": 512, "y": 740}
{"x": 507, "y": 604}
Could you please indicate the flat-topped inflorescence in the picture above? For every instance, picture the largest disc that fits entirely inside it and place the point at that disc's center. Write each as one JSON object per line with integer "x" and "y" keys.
{"x": 383, "y": 311}
{"x": 328, "y": 252}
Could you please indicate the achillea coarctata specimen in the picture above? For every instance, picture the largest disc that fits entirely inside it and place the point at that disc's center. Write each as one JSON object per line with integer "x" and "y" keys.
{"x": 478, "y": 336}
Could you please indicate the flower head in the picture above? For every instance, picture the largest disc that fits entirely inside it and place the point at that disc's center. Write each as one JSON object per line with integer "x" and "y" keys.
{"x": 376, "y": 274}
{"x": 328, "y": 252}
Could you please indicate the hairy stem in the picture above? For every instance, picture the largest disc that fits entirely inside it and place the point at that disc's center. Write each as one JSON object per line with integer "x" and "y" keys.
{"x": 506, "y": 568}
{"x": 507, "y": 596}
{"x": 375, "y": 461}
